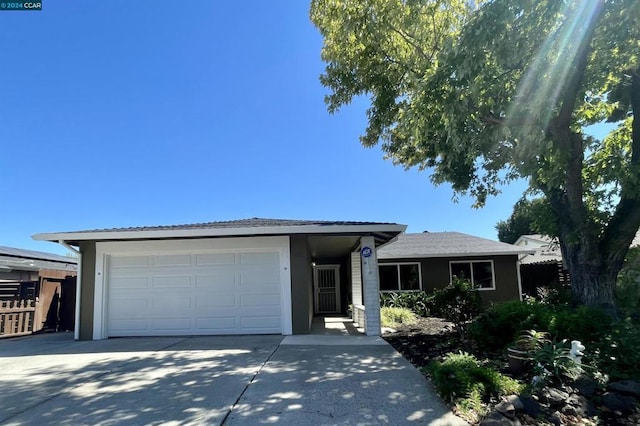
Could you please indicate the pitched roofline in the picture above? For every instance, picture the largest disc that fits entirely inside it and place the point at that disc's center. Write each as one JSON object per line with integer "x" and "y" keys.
{"x": 75, "y": 237}
{"x": 381, "y": 256}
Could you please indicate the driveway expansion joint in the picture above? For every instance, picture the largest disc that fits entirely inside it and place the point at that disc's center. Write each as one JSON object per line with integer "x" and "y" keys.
{"x": 253, "y": 378}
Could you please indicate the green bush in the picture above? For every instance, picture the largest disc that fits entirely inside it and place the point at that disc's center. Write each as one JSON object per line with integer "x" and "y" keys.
{"x": 618, "y": 353}
{"x": 390, "y": 316}
{"x": 458, "y": 302}
{"x": 628, "y": 284}
{"x": 580, "y": 323}
{"x": 416, "y": 301}
{"x": 501, "y": 324}
{"x": 461, "y": 379}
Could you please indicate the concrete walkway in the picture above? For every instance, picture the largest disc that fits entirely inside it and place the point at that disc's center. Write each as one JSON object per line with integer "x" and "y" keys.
{"x": 231, "y": 380}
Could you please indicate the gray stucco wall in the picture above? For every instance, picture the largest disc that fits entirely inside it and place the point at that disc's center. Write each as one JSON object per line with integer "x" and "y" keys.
{"x": 88, "y": 250}
{"x": 301, "y": 285}
{"x": 435, "y": 275}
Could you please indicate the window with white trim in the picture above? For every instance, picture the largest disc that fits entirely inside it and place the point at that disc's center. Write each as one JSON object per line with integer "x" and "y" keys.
{"x": 479, "y": 272}
{"x": 399, "y": 276}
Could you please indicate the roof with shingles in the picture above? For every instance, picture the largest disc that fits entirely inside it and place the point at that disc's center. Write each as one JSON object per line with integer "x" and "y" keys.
{"x": 32, "y": 254}
{"x": 255, "y": 222}
{"x": 445, "y": 244}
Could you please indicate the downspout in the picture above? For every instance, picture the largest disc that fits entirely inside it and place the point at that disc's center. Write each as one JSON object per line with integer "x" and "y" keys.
{"x": 76, "y": 327}
{"x": 519, "y": 276}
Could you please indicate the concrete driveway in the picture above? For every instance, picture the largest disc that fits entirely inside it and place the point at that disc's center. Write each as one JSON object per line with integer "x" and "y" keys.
{"x": 231, "y": 380}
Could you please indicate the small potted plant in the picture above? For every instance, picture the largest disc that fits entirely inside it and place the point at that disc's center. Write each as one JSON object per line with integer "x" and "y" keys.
{"x": 520, "y": 354}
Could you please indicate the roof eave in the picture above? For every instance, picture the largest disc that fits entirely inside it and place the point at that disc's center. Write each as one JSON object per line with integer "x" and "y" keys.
{"x": 460, "y": 254}
{"x": 74, "y": 238}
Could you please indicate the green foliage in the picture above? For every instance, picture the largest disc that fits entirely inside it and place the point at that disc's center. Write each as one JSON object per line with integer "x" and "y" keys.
{"x": 552, "y": 363}
{"x": 391, "y": 316}
{"x": 529, "y": 216}
{"x": 502, "y": 324}
{"x": 618, "y": 354}
{"x": 483, "y": 93}
{"x": 458, "y": 302}
{"x": 461, "y": 379}
{"x": 628, "y": 285}
{"x": 417, "y": 301}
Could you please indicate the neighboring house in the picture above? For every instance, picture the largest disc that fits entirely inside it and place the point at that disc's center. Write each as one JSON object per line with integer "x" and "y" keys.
{"x": 252, "y": 276}
{"x": 545, "y": 267}
{"x": 43, "y": 284}
{"x": 429, "y": 260}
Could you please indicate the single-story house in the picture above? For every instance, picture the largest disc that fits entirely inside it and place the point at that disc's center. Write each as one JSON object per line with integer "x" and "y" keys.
{"x": 429, "y": 260}
{"x": 544, "y": 267}
{"x": 41, "y": 285}
{"x": 248, "y": 276}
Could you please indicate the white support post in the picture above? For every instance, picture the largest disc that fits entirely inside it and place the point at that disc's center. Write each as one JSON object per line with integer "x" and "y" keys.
{"x": 371, "y": 286}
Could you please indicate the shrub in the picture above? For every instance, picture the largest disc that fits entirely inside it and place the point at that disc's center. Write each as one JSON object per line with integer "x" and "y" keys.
{"x": 416, "y": 301}
{"x": 462, "y": 380}
{"x": 580, "y": 323}
{"x": 553, "y": 363}
{"x": 501, "y": 324}
{"x": 617, "y": 353}
{"x": 628, "y": 284}
{"x": 390, "y": 316}
{"x": 458, "y": 302}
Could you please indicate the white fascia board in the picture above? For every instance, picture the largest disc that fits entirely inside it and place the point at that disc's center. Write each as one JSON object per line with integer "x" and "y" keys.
{"x": 216, "y": 232}
{"x": 464, "y": 254}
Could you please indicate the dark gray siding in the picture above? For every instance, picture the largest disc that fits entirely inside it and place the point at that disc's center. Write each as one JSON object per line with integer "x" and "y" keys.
{"x": 301, "y": 285}
{"x": 88, "y": 250}
{"x": 435, "y": 275}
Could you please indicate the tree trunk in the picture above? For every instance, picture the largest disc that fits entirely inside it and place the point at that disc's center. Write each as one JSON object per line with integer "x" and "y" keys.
{"x": 593, "y": 279}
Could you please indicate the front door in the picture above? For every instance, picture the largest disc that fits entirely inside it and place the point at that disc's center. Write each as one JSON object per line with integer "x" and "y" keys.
{"x": 326, "y": 283}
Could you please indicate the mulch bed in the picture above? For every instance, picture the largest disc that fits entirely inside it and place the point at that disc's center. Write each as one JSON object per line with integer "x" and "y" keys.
{"x": 424, "y": 341}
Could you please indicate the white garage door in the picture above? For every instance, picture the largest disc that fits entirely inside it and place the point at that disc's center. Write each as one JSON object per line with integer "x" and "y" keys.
{"x": 194, "y": 293}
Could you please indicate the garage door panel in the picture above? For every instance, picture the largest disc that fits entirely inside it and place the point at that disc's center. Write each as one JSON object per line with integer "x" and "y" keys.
{"x": 222, "y": 282}
{"x": 171, "y": 324}
{"x": 260, "y": 322}
{"x": 266, "y": 258}
{"x": 130, "y": 325}
{"x": 129, "y": 261}
{"x": 222, "y": 301}
{"x": 217, "y": 324}
{"x": 127, "y": 283}
{"x": 260, "y": 300}
{"x": 194, "y": 293}
{"x": 260, "y": 280}
{"x": 169, "y": 282}
{"x": 172, "y": 260}
{"x": 215, "y": 259}
{"x": 129, "y": 308}
{"x": 170, "y": 305}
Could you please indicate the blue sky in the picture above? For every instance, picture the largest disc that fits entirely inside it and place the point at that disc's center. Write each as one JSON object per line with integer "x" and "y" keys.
{"x": 128, "y": 113}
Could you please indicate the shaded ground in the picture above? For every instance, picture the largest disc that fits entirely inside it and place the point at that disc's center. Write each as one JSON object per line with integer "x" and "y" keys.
{"x": 430, "y": 339}
{"x": 426, "y": 340}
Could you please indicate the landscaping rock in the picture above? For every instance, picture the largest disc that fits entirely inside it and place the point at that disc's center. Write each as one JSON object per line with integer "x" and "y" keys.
{"x": 586, "y": 386}
{"x": 495, "y": 418}
{"x": 530, "y": 406}
{"x": 625, "y": 387}
{"x": 516, "y": 402}
{"x": 618, "y": 402}
{"x": 554, "y": 397}
{"x": 555, "y": 419}
{"x": 578, "y": 405}
{"x": 507, "y": 409}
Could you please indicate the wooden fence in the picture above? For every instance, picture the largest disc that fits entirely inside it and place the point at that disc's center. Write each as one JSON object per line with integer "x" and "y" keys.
{"x": 17, "y": 317}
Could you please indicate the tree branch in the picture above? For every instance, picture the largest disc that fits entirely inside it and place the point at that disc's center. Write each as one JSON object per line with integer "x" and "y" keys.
{"x": 625, "y": 222}
{"x": 574, "y": 84}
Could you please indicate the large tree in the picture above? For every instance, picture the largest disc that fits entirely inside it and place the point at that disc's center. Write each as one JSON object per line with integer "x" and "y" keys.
{"x": 481, "y": 93}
